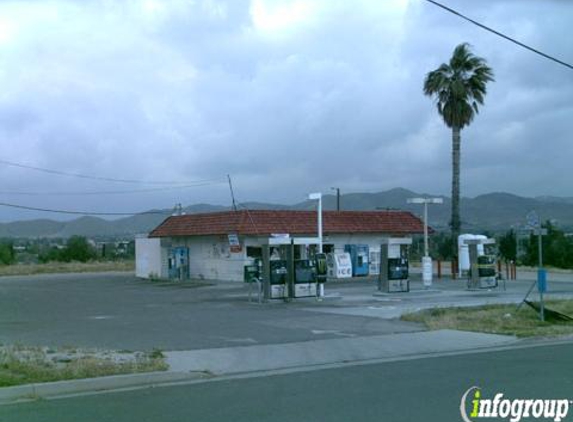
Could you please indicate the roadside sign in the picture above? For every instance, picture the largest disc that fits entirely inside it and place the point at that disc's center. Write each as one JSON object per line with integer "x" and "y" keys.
{"x": 234, "y": 244}
{"x": 532, "y": 219}
{"x": 542, "y": 232}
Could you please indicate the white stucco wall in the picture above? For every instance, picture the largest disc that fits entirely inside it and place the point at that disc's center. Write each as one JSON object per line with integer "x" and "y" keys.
{"x": 210, "y": 257}
{"x": 149, "y": 258}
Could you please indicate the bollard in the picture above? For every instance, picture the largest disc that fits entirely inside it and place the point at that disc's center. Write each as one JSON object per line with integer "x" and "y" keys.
{"x": 439, "y": 269}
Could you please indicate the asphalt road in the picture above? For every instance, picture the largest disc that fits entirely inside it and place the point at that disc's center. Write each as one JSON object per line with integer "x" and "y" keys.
{"x": 418, "y": 390}
{"x": 119, "y": 311}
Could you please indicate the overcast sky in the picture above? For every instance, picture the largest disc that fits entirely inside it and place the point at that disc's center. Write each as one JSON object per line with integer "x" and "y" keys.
{"x": 289, "y": 97}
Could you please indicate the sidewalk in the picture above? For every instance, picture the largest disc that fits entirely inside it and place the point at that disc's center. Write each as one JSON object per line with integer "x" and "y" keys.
{"x": 197, "y": 365}
{"x": 322, "y": 352}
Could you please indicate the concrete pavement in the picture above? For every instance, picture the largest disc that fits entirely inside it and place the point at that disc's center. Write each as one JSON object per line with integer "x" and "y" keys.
{"x": 118, "y": 311}
{"x": 194, "y": 365}
{"x": 224, "y": 361}
{"x": 414, "y": 390}
{"x": 123, "y": 313}
{"x": 212, "y": 328}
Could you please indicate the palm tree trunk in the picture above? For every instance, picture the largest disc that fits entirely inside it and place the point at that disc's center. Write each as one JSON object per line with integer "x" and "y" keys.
{"x": 455, "y": 222}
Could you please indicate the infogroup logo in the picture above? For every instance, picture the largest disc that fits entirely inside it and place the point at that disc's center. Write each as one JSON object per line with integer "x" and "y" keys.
{"x": 512, "y": 409}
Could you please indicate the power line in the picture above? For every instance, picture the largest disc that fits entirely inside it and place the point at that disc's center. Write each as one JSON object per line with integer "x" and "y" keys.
{"x": 487, "y": 28}
{"x": 116, "y": 192}
{"x": 105, "y": 179}
{"x": 73, "y": 212}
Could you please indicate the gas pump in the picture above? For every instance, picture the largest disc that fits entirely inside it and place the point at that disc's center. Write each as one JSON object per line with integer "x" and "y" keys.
{"x": 305, "y": 279}
{"x": 279, "y": 279}
{"x": 394, "y": 265}
{"x": 289, "y": 278}
{"x": 482, "y": 273}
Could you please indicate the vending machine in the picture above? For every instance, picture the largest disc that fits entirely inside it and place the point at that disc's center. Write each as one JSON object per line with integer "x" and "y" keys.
{"x": 359, "y": 258}
{"x": 178, "y": 263}
{"x": 339, "y": 265}
{"x": 321, "y": 267}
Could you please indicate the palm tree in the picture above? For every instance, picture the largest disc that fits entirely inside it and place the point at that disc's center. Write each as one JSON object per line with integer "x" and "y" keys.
{"x": 458, "y": 87}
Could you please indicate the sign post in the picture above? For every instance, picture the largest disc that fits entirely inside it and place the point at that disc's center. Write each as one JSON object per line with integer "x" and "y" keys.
{"x": 535, "y": 225}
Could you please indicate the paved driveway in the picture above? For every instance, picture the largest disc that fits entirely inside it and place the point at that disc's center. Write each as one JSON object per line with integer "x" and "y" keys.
{"x": 118, "y": 311}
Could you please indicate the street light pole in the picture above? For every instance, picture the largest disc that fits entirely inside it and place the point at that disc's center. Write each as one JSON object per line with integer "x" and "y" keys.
{"x": 426, "y": 260}
{"x": 318, "y": 196}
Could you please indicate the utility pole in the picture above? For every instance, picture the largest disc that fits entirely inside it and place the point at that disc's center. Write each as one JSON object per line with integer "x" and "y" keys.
{"x": 337, "y": 198}
{"x": 232, "y": 193}
{"x": 177, "y": 210}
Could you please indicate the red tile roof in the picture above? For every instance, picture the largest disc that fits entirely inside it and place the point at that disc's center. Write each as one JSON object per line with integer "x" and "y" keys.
{"x": 263, "y": 222}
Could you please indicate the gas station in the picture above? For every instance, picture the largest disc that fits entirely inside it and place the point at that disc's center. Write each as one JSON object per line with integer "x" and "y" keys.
{"x": 287, "y": 255}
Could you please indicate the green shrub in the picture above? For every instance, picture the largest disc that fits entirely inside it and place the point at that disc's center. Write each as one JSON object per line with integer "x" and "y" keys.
{"x": 77, "y": 249}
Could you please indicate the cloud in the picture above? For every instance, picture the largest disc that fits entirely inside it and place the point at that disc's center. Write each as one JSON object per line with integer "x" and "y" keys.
{"x": 288, "y": 96}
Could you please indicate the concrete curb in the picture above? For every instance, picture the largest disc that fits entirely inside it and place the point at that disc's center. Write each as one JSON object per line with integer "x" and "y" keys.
{"x": 410, "y": 293}
{"x": 71, "y": 387}
{"x": 61, "y": 389}
{"x": 266, "y": 357}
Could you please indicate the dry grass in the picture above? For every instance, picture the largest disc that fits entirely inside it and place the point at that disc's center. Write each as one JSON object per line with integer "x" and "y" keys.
{"x": 496, "y": 319}
{"x": 25, "y": 365}
{"x": 66, "y": 267}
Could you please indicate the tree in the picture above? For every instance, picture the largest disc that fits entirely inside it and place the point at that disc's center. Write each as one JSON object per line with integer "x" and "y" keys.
{"x": 508, "y": 246}
{"x": 557, "y": 248}
{"x": 7, "y": 255}
{"x": 458, "y": 87}
{"x": 78, "y": 249}
{"x": 440, "y": 246}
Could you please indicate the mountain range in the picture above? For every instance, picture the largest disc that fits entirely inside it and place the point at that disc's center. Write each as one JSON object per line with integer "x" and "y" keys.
{"x": 493, "y": 212}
